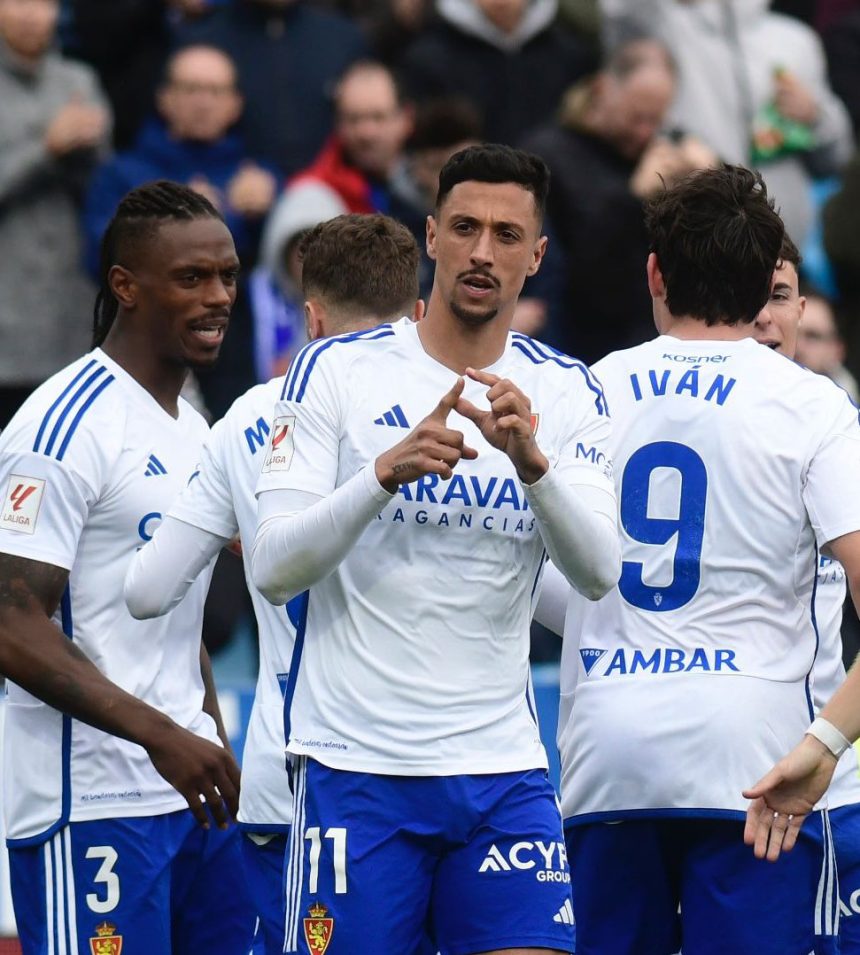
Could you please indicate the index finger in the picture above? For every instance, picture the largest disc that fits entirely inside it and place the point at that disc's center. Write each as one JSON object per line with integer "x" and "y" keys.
{"x": 448, "y": 401}
{"x": 485, "y": 377}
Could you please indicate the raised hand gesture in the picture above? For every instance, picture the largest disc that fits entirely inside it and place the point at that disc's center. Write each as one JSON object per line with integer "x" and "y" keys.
{"x": 430, "y": 448}
{"x": 507, "y": 425}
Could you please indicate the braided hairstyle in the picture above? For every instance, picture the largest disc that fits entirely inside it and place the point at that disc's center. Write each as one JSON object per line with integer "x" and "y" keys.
{"x": 137, "y": 217}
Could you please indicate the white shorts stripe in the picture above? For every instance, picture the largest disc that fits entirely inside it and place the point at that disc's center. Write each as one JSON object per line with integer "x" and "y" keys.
{"x": 294, "y": 870}
{"x": 49, "y": 897}
{"x": 71, "y": 906}
{"x": 60, "y": 895}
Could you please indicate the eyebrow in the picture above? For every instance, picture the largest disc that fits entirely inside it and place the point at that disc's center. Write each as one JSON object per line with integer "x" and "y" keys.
{"x": 465, "y": 217}
{"x": 781, "y": 286}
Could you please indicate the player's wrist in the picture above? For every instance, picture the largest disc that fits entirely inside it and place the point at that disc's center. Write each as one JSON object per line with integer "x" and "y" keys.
{"x": 385, "y": 475}
{"x": 830, "y": 736}
{"x": 533, "y": 469}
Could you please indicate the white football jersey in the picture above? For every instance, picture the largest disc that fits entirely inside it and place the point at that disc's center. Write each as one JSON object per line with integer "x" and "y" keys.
{"x": 88, "y": 466}
{"x": 688, "y": 681}
{"x": 829, "y": 671}
{"x": 221, "y": 500}
{"x": 414, "y": 651}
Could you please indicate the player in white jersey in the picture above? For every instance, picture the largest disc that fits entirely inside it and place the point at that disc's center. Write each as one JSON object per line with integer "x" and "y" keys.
{"x": 696, "y": 670}
{"x": 357, "y": 270}
{"x": 421, "y": 795}
{"x": 777, "y": 327}
{"x": 108, "y": 753}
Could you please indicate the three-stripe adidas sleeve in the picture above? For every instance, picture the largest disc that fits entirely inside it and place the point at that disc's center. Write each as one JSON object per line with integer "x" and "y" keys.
{"x": 302, "y": 453}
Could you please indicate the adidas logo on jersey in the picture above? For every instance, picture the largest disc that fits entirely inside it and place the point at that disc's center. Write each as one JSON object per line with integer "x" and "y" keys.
{"x": 565, "y": 914}
{"x": 393, "y": 418}
{"x": 154, "y": 467}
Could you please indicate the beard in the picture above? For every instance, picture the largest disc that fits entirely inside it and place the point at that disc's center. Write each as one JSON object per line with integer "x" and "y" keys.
{"x": 472, "y": 317}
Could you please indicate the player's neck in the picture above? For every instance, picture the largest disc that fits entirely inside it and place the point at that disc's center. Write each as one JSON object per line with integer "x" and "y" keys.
{"x": 688, "y": 328}
{"x": 161, "y": 379}
{"x": 457, "y": 345}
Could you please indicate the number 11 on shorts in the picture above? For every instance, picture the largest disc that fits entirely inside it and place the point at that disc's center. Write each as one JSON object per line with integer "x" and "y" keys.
{"x": 337, "y": 834}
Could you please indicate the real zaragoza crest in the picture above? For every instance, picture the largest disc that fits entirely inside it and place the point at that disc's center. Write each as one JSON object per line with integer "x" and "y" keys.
{"x": 106, "y": 941}
{"x": 318, "y": 928}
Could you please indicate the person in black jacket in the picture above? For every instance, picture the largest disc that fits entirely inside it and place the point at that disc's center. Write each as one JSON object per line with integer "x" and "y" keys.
{"x": 607, "y": 154}
{"x": 507, "y": 56}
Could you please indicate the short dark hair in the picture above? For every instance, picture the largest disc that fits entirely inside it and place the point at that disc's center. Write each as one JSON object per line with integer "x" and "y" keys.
{"x": 493, "y": 162}
{"x": 443, "y": 122}
{"x": 789, "y": 252}
{"x": 717, "y": 239}
{"x": 365, "y": 263}
{"x": 137, "y": 218}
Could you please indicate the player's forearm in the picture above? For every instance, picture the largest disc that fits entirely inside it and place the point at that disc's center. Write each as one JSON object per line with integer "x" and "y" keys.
{"x": 43, "y": 661}
{"x": 210, "y": 697}
{"x": 579, "y": 531}
{"x": 293, "y": 551}
{"x": 163, "y": 570}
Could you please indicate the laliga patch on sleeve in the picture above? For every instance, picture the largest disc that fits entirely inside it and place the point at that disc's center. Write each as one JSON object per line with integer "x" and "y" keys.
{"x": 21, "y": 504}
{"x": 279, "y": 456}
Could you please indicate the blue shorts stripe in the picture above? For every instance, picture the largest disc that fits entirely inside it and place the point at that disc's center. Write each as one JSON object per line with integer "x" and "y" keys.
{"x": 80, "y": 415}
{"x": 49, "y": 447}
{"x": 56, "y": 403}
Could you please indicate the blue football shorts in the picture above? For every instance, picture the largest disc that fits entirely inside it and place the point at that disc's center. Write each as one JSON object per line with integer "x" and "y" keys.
{"x": 456, "y": 864}
{"x": 845, "y": 826}
{"x": 155, "y": 884}
{"x": 264, "y": 869}
{"x": 657, "y": 886}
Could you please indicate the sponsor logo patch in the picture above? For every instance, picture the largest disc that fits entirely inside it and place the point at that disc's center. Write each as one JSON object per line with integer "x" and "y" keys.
{"x": 106, "y": 941}
{"x": 319, "y": 928}
{"x": 21, "y": 504}
{"x": 279, "y": 456}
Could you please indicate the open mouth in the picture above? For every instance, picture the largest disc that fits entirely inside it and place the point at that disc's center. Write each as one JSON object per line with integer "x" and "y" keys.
{"x": 478, "y": 284}
{"x": 210, "y": 331}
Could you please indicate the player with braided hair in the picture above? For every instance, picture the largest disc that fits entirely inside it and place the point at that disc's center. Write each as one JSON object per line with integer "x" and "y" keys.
{"x": 111, "y": 744}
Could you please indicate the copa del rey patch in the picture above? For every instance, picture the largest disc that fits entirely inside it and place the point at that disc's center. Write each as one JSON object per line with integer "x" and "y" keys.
{"x": 279, "y": 456}
{"x": 21, "y": 504}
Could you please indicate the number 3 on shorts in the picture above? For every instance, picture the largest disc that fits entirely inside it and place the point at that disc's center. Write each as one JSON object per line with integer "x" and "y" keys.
{"x": 108, "y": 855}
{"x": 338, "y": 839}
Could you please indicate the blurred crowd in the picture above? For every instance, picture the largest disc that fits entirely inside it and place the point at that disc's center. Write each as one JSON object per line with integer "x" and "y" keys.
{"x": 285, "y": 113}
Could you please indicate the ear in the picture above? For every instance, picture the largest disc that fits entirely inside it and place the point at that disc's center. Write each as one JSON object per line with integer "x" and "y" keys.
{"x": 656, "y": 285}
{"x": 123, "y": 286}
{"x": 419, "y": 310}
{"x": 538, "y": 253}
{"x": 802, "y": 305}
{"x": 314, "y": 320}
{"x": 431, "y": 237}
{"x": 238, "y": 106}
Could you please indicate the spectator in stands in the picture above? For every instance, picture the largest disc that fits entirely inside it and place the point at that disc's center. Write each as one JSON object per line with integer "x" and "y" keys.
{"x": 442, "y": 127}
{"x": 54, "y": 121}
{"x": 608, "y": 152}
{"x": 193, "y": 143}
{"x": 508, "y": 56}
{"x": 273, "y": 294}
{"x": 752, "y": 84}
{"x": 127, "y": 43}
{"x": 356, "y": 165}
{"x": 842, "y": 43}
{"x": 842, "y": 244}
{"x": 289, "y": 55}
{"x": 819, "y": 344}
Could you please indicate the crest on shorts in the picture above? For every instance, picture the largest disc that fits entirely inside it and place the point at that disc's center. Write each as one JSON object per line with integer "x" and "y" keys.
{"x": 318, "y": 928}
{"x": 106, "y": 941}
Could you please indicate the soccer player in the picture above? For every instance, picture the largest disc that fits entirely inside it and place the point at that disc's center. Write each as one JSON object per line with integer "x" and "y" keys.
{"x": 777, "y": 326}
{"x": 357, "y": 270}
{"x": 415, "y": 477}
{"x": 109, "y": 760}
{"x": 694, "y": 673}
